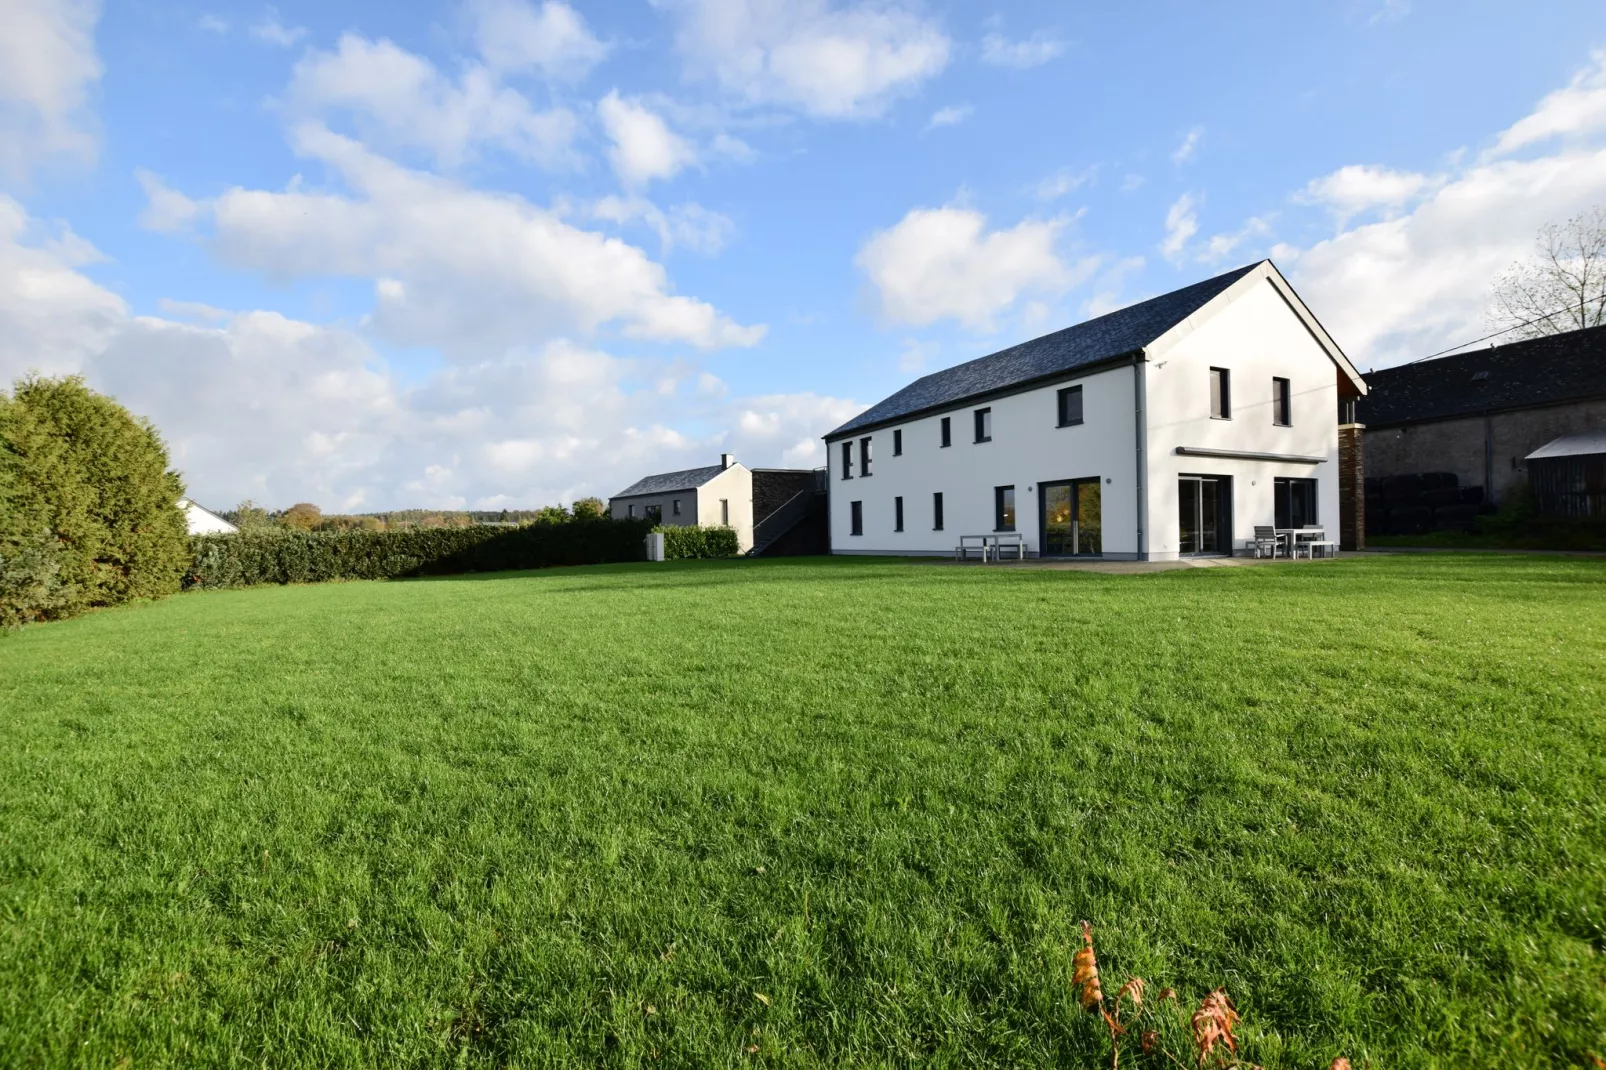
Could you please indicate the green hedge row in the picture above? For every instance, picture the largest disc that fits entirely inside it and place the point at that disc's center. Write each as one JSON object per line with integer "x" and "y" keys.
{"x": 684, "y": 542}
{"x": 316, "y": 556}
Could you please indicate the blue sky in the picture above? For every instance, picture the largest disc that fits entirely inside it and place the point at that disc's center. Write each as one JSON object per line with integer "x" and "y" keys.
{"x": 506, "y": 253}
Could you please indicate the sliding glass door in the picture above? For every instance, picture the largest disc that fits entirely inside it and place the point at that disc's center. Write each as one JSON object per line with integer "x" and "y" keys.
{"x": 1072, "y": 518}
{"x": 1204, "y": 505}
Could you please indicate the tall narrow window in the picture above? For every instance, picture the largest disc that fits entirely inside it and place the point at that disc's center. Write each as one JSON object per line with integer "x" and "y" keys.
{"x": 674, "y": 507}
{"x": 632, "y": 512}
{"x": 856, "y": 518}
{"x": 1070, "y": 406}
{"x": 984, "y": 425}
{"x": 864, "y": 457}
{"x": 1220, "y": 394}
{"x": 936, "y": 511}
{"x": 897, "y": 514}
{"x": 725, "y": 512}
{"x": 897, "y": 442}
{"x": 847, "y": 459}
{"x": 1003, "y": 508}
{"x": 947, "y": 431}
{"x": 1282, "y": 403}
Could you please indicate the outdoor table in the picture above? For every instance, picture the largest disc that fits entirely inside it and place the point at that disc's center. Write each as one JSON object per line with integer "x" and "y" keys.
{"x": 1294, "y": 535}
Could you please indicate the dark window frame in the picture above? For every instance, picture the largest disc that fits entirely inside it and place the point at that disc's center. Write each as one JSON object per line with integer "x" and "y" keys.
{"x": 936, "y": 510}
{"x": 999, "y": 494}
{"x": 655, "y": 512}
{"x": 631, "y": 510}
{"x": 855, "y": 518}
{"x": 1282, "y": 490}
{"x": 897, "y": 442}
{"x": 1221, "y": 400}
{"x": 864, "y": 458}
{"x": 847, "y": 459}
{"x": 674, "y": 507}
{"x": 725, "y": 512}
{"x": 897, "y": 513}
{"x": 1282, "y": 402}
{"x": 984, "y": 422}
{"x": 1062, "y": 405}
{"x": 947, "y": 431}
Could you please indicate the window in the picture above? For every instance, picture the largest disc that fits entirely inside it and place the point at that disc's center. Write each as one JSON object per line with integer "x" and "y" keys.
{"x": 632, "y": 512}
{"x": 984, "y": 425}
{"x": 725, "y": 512}
{"x": 674, "y": 507}
{"x": 1003, "y": 508}
{"x": 1296, "y": 502}
{"x": 897, "y": 514}
{"x": 1220, "y": 394}
{"x": 947, "y": 431}
{"x": 897, "y": 442}
{"x": 1282, "y": 403}
{"x": 655, "y": 513}
{"x": 864, "y": 457}
{"x": 1070, "y": 406}
{"x": 847, "y": 459}
{"x": 856, "y": 516}
{"x": 936, "y": 511}
{"x": 1346, "y": 410}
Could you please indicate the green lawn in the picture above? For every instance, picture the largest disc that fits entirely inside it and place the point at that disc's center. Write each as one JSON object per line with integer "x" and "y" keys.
{"x": 589, "y": 816}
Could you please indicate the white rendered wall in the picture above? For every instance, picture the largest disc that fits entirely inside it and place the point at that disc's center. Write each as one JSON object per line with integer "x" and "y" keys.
{"x": 201, "y": 522}
{"x": 1026, "y": 449}
{"x": 735, "y": 485}
{"x": 1255, "y": 335}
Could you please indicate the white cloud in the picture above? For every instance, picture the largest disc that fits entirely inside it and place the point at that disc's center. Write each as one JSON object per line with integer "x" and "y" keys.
{"x": 1190, "y": 142}
{"x": 787, "y": 425}
{"x": 829, "y": 61}
{"x": 1580, "y": 108}
{"x": 1221, "y": 246}
{"x": 690, "y": 225}
{"x": 644, "y": 148}
{"x": 516, "y": 36}
{"x": 271, "y": 31}
{"x": 399, "y": 100}
{"x": 1109, "y": 284}
{"x": 48, "y": 65}
{"x": 51, "y": 314}
{"x": 952, "y": 115}
{"x": 1406, "y": 286}
{"x": 166, "y": 210}
{"x": 1034, "y": 52}
{"x": 1064, "y": 181}
{"x": 940, "y": 263}
{"x": 1181, "y": 224}
{"x": 470, "y": 272}
{"x": 1358, "y": 188}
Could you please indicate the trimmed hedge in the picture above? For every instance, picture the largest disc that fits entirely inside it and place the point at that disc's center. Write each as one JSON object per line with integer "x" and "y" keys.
{"x": 317, "y": 556}
{"x": 684, "y": 542}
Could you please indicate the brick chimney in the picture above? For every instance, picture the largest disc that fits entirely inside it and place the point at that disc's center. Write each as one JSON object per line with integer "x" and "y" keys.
{"x": 1351, "y": 482}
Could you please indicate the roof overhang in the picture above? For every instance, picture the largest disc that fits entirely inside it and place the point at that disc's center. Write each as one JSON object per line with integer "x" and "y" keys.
{"x": 1265, "y": 271}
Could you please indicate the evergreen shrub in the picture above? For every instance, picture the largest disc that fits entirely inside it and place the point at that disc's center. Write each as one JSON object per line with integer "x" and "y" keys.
{"x": 687, "y": 542}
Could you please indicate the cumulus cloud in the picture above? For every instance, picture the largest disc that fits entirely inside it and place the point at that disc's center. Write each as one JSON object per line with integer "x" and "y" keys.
{"x": 462, "y": 270}
{"x": 515, "y": 36}
{"x": 166, "y": 210}
{"x": 1359, "y": 188}
{"x": 1181, "y": 224}
{"x": 826, "y": 60}
{"x": 999, "y": 51}
{"x": 396, "y": 99}
{"x": 952, "y": 115}
{"x": 644, "y": 148}
{"x": 938, "y": 263}
{"x": 689, "y": 225}
{"x": 1578, "y": 109}
{"x": 48, "y": 66}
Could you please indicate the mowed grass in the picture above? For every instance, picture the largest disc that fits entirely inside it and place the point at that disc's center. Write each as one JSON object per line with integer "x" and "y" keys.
{"x": 592, "y": 816}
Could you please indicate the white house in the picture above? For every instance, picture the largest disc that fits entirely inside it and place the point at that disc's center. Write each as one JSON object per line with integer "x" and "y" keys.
{"x": 1172, "y": 427}
{"x": 719, "y": 495}
{"x": 203, "y": 521}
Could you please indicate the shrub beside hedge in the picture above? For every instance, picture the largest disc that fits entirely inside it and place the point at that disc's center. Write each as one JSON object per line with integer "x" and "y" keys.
{"x": 317, "y": 556}
{"x": 686, "y": 542}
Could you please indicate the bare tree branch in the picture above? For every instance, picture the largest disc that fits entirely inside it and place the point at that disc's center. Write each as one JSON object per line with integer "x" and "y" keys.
{"x": 1562, "y": 287}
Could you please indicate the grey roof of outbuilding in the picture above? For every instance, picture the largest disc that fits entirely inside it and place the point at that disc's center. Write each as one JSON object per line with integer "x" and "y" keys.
{"x": 1540, "y": 371}
{"x": 690, "y": 479}
{"x": 1115, "y": 334}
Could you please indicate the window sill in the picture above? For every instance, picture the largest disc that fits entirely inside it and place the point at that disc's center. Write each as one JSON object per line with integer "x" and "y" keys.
{"x": 1226, "y": 418}
{"x": 1073, "y": 423}
{"x": 979, "y": 441}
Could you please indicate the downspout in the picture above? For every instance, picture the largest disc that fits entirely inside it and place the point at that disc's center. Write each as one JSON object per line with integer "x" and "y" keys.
{"x": 1488, "y": 459}
{"x": 1139, "y": 395}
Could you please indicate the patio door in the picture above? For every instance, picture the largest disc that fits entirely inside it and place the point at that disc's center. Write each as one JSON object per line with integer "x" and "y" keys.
{"x": 1072, "y": 517}
{"x": 1204, "y": 505}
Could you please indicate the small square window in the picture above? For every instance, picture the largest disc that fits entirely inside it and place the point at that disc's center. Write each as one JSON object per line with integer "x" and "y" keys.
{"x": 856, "y": 517}
{"x": 1004, "y": 508}
{"x": 847, "y": 459}
{"x": 936, "y": 511}
{"x": 1220, "y": 394}
{"x": 655, "y": 513}
{"x": 897, "y": 514}
{"x": 1070, "y": 406}
{"x": 864, "y": 457}
{"x": 947, "y": 431}
{"x": 897, "y": 442}
{"x": 984, "y": 425}
{"x": 1282, "y": 403}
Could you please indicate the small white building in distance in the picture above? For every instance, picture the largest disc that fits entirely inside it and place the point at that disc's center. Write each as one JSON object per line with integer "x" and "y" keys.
{"x": 203, "y": 521}
{"x": 1173, "y": 427}
{"x": 720, "y": 495}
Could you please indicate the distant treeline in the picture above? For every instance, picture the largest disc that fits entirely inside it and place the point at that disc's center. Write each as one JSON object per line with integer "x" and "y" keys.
{"x": 304, "y": 516}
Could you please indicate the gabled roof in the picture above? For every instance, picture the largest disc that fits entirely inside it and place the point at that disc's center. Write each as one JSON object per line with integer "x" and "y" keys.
{"x": 1539, "y": 371}
{"x": 1116, "y": 334}
{"x": 1585, "y": 445}
{"x": 666, "y": 482}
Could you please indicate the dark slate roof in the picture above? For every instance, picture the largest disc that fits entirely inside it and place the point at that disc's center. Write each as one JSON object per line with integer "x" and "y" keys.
{"x": 1113, "y": 335}
{"x": 1540, "y": 371}
{"x": 690, "y": 479}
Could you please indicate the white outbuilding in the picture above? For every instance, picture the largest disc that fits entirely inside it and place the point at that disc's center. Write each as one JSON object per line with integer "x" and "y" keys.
{"x": 1174, "y": 427}
{"x": 202, "y": 521}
